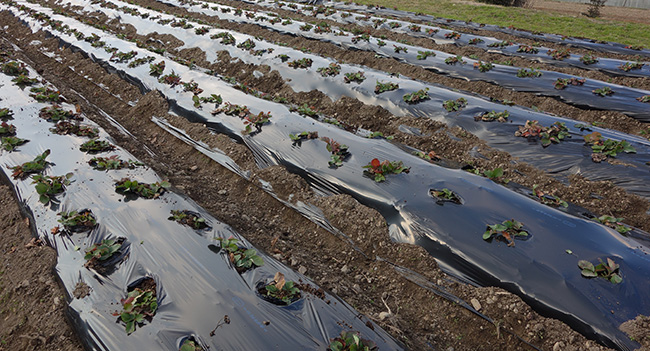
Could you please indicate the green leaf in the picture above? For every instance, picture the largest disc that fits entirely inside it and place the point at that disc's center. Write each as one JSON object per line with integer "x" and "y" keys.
{"x": 126, "y": 317}
{"x": 130, "y": 327}
{"x": 588, "y": 274}
{"x": 583, "y": 264}
{"x": 257, "y": 260}
{"x": 615, "y": 278}
{"x": 488, "y": 234}
{"x": 44, "y": 199}
{"x": 336, "y": 346}
{"x": 569, "y": 252}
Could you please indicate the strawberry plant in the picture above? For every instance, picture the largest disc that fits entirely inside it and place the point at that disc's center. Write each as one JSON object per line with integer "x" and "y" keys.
{"x": 55, "y": 113}
{"x": 432, "y": 31}
{"x": 603, "y": 92}
{"x": 357, "y": 77}
{"x": 588, "y": 59}
{"x": 613, "y": 222}
{"x": 645, "y": 98}
{"x": 452, "y": 35}
{"x": 213, "y": 98}
{"x": 562, "y": 83}
{"x": 394, "y": 25}
{"x": 558, "y": 54}
{"x": 188, "y": 218}
{"x": 307, "y": 110}
{"x": 7, "y": 129}
{"x": 381, "y": 43}
{"x": 139, "y": 305}
{"x": 306, "y": 27}
{"x": 243, "y": 259}
{"x": 422, "y": 55}
{"x": 378, "y": 22}
{"x": 608, "y": 147}
{"x": 454, "y": 105}
{"x": 229, "y": 109}
{"x": 81, "y": 221}
{"x": 417, "y": 96}
{"x": 297, "y": 138}
{"x": 70, "y": 128}
{"x": 507, "y": 229}
{"x": 94, "y": 146}
{"x": 45, "y": 95}
{"x": 528, "y": 49}
{"x": 452, "y": 60}
{"x": 339, "y": 152}
{"x": 475, "y": 41}
{"x": 172, "y": 79}
{"x": 147, "y": 191}
{"x": 323, "y": 27}
{"x": 548, "y": 199}
{"x": 49, "y": 186}
{"x": 201, "y": 30}
{"x": 247, "y": 44}
{"x": 501, "y": 44}
{"x": 192, "y": 87}
{"x": 280, "y": 291}
{"x": 256, "y": 121}
{"x": 190, "y": 345}
{"x": 112, "y": 162}
{"x": 350, "y": 341}
{"x": 36, "y": 166}
{"x": 634, "y": 47}
{"x": 528, "y": 73}
{"x": 430, "y": 156}
{"x": 383, "y": 87}
{"x": 379, "y": 135}
{"x": 283, "y": 57}
{"x": 415, "y": 28}
{"x": 496, "y": 175}
{"x": 102, "y": 251}
{"x": 483, "y": 66}
{"x": 553, "y": 134}
{"x": 23, "y": 80}
{"x": 332, "y": 70}
{"x": 121, "y": 57}
{"x": 6, "y": 114}
{"x": 10, "y": 143}
{"x": 493, "y": 116}
{"x": 226, "y": 38}
{"x": 444, "y": 195}
{"x": 609, "y": 270}
{"x": 378, "y": 170}
{"x": 13, "y": 68}
{"x": 531, "y": 129}
{"x": 287, "y": 22}
{"x": 628, "y": 66}
{"x": 399, "y": 49}
{"x": 141, "y": 61}
{"x": 302, "y": 63}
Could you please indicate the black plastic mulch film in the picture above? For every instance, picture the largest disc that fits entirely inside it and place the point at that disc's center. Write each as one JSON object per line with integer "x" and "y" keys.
{"x": 538, "y": 268}
{"x": 446, "y": 36}
{"x": 624, "y": 99}
{"x": 568, "y": 157}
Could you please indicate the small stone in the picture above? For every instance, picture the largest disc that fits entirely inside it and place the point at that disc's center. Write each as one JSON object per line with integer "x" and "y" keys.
{"x": 384, "y": 315}
{"x": 277, "y": 256}
{"x": 476, "y": 304}
{"x": 222, "y": 192}
{"x": 56, "y": 301}
{"x": 356, "y": 288}
{"x": 345, "y": 269}
{"x": 558, "y": 346}
{"x": 302, "y": 270}
{"x": 294, "y": 261}
{"x": 194, "y": 168}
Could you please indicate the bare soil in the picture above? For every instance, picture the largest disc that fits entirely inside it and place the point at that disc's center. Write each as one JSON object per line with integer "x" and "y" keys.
{"x": 416, "y": 316}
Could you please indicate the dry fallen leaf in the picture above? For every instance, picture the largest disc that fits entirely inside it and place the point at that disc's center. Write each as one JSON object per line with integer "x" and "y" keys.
{"x": 279, "y": 280}
{"x": 56, "y": 230}
{"x": 34, "y": 243}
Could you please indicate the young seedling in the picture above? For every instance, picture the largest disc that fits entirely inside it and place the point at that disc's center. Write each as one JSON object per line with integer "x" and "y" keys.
{"x": 229, "y": 109}
{"x": 46, "y": 95}
{"x": 378, "y": 170}
{"x": 475, "y": 41}
{"x": 256, "y": 121}
{"x": 452, "y": 60}
{"x": 301, "y": 63}
{"x": 528, "y": 73}
{"x": 101, "y": 252}
{"x": 94, "y": 146}
{"x": 528, "y": 49}
{"x": 330, "y": 71}
{"x": 13, "y": 68}
{"x": 298, "y": 138}
{"x": 628, "y": 66}
{"x": 589, "y": 59}
{"x": 455, "y": 105}
{"x": 613, "y": 222}
{"x": 417, "y": 96}
{"x": 38, "y": 165}
{"x": 607, "y": 147}
{"x": 139, "y": 305}
{"x": 381, "y": 43}
{"x": 554, "y": 134}
{"x": 6, "y": 114}
{"x": 444, "y": 195}
{"x": 23, "y": 80}
{"x": 7, "y": 129}
{"x": 188, "y": 218}
{"x": 141, "y": 61}
{"x": 226, "y": 38}
{"x": 644, "y": 98}
{"x": 283, "y": 57}
{"x": 281, "y": 290}
{"x": 339, "y": 152}
{"x": 548, "y": 199}
{"x": 415, "y": 28}
{"x": 559, "y": 54}
{"x": 496, "y": 175}
{"x": 307, "y": 110}
{"x": 493, "y": 116}
{"x": 190, "y": 345}
{"x": 399, "y": 49}
{"x": 357, "y": 77}
{"x": 201, "y": 30}
{"x": 48, "y": 187}
{"x": 147, "y": 191}
{"x": 483, "y": 66}
{"x": 81, "y": 221}
{"x": 562, "y": 83}
{"x": 635, "y": 47}
{"x": 213, "y": 98}
{"x": 422, "y": 55}
{"x": 55, "y": 114}
{"x": 379, "y": 135}
{"x": 609, "y": 270}
{"x": 243, "y": 259}
{"x": 172, "y": 79}
{"x": 10, "y": 143}
{"x": 121, "y": 57}
{"x": 247, "y": 44}
{"x": 323, "y": 27}
{"x": 501, "y": 44}
{"x": 383, "y": 87}
{"x": 112, "y": 162}
{"x": 429, "y": 156}
{"x": 350, "y": 341}
{"x": 306, "y": 27}
{"x": 452, "y": 35}
{"x": 394, "y": 25}
{"x": 508, "y": 230}
{"x": 603, "y": 92}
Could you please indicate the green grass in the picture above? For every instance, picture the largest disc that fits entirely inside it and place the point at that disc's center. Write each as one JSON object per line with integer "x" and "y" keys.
{"x": 528, "y": 19}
